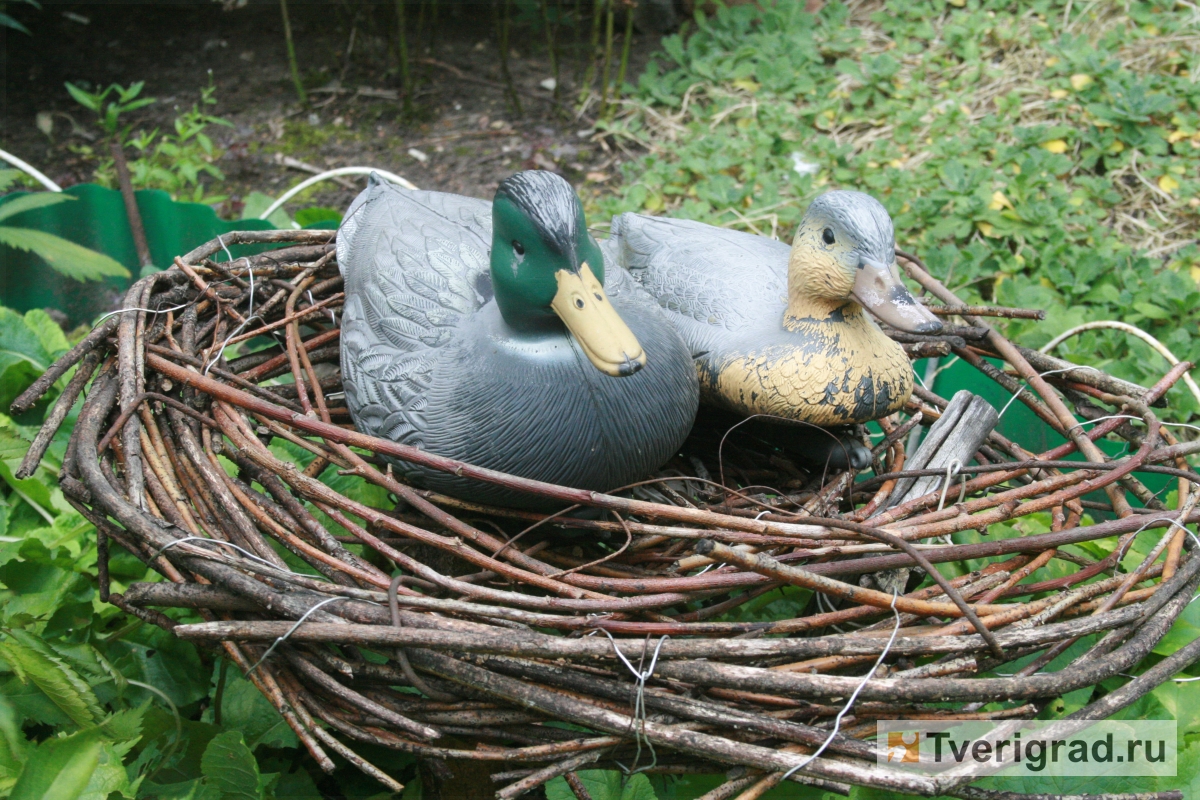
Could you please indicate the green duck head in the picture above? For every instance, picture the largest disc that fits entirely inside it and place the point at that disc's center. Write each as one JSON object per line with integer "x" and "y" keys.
{"x": 844, "y": 251}
{"x": 545, "y": 266}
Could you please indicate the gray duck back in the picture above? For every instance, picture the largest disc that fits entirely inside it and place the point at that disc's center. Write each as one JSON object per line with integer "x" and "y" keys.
{"x": 718, "y": 286}
{"x": 428, "y": 361}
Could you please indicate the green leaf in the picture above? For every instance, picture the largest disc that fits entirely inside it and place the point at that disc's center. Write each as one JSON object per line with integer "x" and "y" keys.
{"x": 229, "y": 766}
{"x": 8, "y": 22}
{"x": 243, "y": 708}
{"x": 32, "y": 201}
{"x": 1187, "y": 777}
{"x": 604, "y": 785}
{"x": 158, "y": 658}
{"x": 86, "y": 99}
{"x": 53, "y": 340}
{"x": 316, "y": 214}
{"x": 59, "y": 769}
{"x": 1185, "y": 631}
{"x": 8, "y": 177}
{"x": 30, "y": 490}
{"x": 64, "y": 257}
{"x": 14, "y": 748}
{"x": 12, "y": 446}
{"x": 36, "y": 663}
{"x": 257, "y": 202}
{"x": 109, "y": 774}
{"x": 195, "y": 789}
{"x": 19, "y": 342}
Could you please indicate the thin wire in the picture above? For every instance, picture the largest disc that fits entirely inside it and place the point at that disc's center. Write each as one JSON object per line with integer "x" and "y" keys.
{"x": 837, "y": 722}
{"x": 1151, "y": 521}
{"x": 312, "y": 302}
{"x": 952, "y": 469}
{"x": 147, "y": 310}
{"x": 241, "y": 550}
{"x": 1041, "y": 375}
{"x": 1135, "y": 419}
{"x": 639, "y": 705}
{"x": 290, "y": 631}
{"x": 249, "y": 313}
{"x": 1133, "y": 329}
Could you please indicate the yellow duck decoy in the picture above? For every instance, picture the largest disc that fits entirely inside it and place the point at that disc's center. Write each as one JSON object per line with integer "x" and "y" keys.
{"x": 783, "y": 331}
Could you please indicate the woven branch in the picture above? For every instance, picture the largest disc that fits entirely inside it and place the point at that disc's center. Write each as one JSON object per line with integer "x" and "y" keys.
{"x": 484, "y": 641}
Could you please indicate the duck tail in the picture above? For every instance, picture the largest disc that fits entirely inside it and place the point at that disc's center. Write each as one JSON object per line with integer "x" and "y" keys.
{"x": 352, "y": 221}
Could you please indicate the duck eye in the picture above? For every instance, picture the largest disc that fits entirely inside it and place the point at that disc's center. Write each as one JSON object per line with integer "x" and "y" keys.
{"x": 518, "y": 248}
{"x": 827, "y": 235}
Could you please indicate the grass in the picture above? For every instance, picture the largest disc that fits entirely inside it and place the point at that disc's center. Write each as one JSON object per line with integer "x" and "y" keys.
{"x": 1041, "y": 154}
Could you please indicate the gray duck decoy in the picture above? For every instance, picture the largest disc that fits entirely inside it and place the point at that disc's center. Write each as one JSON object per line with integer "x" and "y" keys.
{"x": 782, "y": 331}
{"x": 494, "y": 333}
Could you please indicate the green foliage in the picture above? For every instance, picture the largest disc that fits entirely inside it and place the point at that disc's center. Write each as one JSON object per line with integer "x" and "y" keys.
{"x": 229, "y": 767}
{"x": 318, "y": 214}
{"x": 1028, "y": 163}
{"x": 180, "y": 161}
{"x": 175, "y": 162}
{"x": 109, "y": 114}
{"x": 256, "y": 203}
{"x": 93, "y": 704}
{"x": 64, "y": 257}
{"x": 603, "y": 785}
{"x": 59, "y": 769}
{"x": 7, "y": 21}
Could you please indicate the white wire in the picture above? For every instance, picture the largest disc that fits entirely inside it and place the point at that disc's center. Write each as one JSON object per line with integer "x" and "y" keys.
{"x": 241, "y": 550}
{"x": 312, "y": 302}
{"x": 639, "y": 706}
{"x": 291, "y": 630}
{"x": 30, "y": 170}
{"x": 147, "y": 310}
{"x": 1149, "y": 522}
{"x": 1127, "y": 328}
{"x": 1040, "y": 374}
{"x": 333, "y": 173}
{"x": 249, "y": 312}
{"x": 837, "y": 722}
{"x": 1135, "y": 419}
{"x": 952, "y": 469}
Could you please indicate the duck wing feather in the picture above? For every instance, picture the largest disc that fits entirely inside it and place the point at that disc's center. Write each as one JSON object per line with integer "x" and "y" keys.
{"x": 710, "y": 280}
{"x": 415, "y": 266}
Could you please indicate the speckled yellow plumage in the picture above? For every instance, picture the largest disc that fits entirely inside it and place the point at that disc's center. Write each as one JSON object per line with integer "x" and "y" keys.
{"x": 845, "y": 372}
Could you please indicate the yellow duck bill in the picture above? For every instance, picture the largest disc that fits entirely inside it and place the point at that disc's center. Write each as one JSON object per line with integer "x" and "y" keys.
{"x": 878, "y": 289}
{"x": 583, "y": 306}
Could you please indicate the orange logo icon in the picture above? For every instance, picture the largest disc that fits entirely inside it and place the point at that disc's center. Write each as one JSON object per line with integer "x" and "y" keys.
{"x": 904, "y": 746}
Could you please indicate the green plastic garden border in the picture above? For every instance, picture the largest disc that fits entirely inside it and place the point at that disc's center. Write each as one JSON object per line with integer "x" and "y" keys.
{"x": 97, "y": 220}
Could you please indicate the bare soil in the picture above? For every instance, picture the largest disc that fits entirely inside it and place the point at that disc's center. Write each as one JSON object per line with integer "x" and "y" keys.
{"x": 471, "y": 137}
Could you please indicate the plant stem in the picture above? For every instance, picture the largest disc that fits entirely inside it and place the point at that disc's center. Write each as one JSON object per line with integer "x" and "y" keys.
{"x": 219, "y": 694}
{"x": 402, "y": 51}
{"x": 291, "y": 50}
{"x": 590, "y": 55}
{"x": 625, "y": 48}
{"x": 433, "y": 27}
{"x": 131, "y": 208}
{"x": 503, "y": 23}
{"x": 551, "y": 45}
{"x": 46, "y": 515}
{"x": 608, "y": 46}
